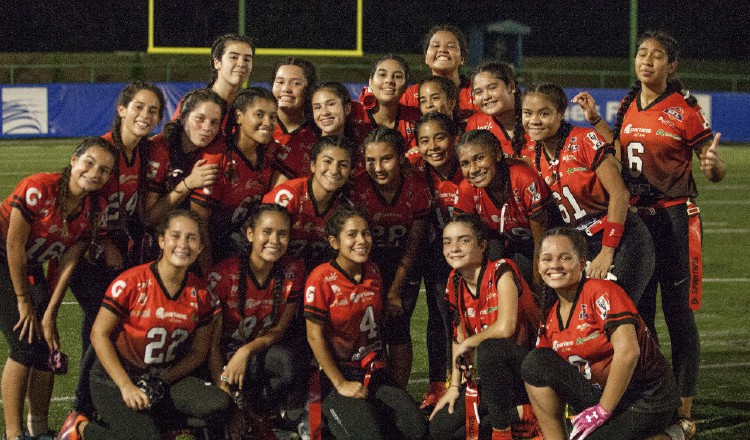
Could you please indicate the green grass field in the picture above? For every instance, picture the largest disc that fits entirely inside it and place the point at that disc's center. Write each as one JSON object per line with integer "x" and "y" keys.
{"x": 722, "y": 405}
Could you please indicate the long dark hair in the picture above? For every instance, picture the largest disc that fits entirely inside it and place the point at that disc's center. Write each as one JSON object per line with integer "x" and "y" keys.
{"x": 674, "y": 84}
{"x": 556, "y": 95}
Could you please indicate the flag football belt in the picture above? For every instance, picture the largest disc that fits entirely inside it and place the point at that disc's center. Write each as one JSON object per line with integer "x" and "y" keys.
{"x": 370, "y": 363}
{"x": 471, "y": 399}
{"x": 593, "y": 226}
{"x": 695, "y": 296}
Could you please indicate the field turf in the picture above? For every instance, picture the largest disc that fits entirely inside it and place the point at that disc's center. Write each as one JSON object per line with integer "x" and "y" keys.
{"x": 722, "y": 405}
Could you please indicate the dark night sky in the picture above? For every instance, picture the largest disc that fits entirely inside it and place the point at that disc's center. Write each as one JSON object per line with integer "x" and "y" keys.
{"x": 704, "y": 29}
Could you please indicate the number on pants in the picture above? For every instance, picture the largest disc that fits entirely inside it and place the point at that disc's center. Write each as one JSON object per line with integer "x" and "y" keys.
{"x": 635, "y": 163}
{"x": 154, "y": 350}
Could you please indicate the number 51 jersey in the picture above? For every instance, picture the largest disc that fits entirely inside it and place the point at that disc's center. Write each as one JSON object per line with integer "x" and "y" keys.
{"x": 155, "y": 329}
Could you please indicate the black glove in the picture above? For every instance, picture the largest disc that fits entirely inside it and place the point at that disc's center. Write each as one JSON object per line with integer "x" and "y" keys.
{"x": 153, "y": 386}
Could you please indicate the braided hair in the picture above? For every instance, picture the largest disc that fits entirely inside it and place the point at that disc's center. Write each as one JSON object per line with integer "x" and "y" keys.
{"x": 244, "y": 99}
{"x": 557, "y": 97}
{"x": 277, "y": 276}
{"x": 173, "y": 130}
{"x": 218, "y": 48}
{"x": 674, "y": 84}
{"x": 489, "y": 142}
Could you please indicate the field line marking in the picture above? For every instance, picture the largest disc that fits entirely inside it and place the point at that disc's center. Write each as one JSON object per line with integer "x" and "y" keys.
{"x": 723, "y": 202}
{"x": 726, "y": 280}
{"x": 727, "y": 365}
{"x": 726, "y": 231}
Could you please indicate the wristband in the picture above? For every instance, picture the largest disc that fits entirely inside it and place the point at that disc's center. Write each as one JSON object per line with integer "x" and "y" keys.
{"x": 596, "y": 121}
{"x": 612, "y": 234}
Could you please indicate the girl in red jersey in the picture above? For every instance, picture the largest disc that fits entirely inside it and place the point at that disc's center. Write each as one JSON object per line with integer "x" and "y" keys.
{"x": 438, "y": 94}
{"x": 398, "y": 203}
{"x": 343, "y": 308}
{"x": 152, "y": 332}
{"x": 47, "y": 217}
{"x": 259, "y": 294}
{"x": 659, "y": 127}
{"x": 174, "y": 167}
{"x": 140, "y": 107}
{"x": 438, "y": 164}
{"x": 292, "y": 83}
{"x": 332, "y": 112}
{"x": 595, "y": 353}
{"x": 311, "y": 200}
{"x": 582, "y": 173}
{"x": 508, "y": 195}
{"x": 496, "y": 319}
{"x": 497, "y": 95}
{"x": 380, "y": 98}
{"x": 247, "y": 169}
{"x": 445, "y": 50}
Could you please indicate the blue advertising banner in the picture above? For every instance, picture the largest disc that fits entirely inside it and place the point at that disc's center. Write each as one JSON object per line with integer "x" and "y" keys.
{"x": 77, "y": 110}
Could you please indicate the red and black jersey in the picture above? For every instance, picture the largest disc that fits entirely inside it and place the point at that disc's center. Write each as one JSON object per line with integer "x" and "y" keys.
{"x": 575, "y": 186}
{"x": 50, "y": 234}
{"x": 480, "y": 309}
{"x": 238, "y": 187}
{"x": 405, "y": 118}
{"x": 166, "y": 168}
{"x": 263, "y": 303}
{"x": 466, "y": 106}
{"x": 307, "y": 240}
{"x": 483, "y": 121}
{"x": 121, "y": 191}
{"x": 155, "y": 330}
{"x": 529, "y": 195}
{"x": 657, "y": 147}
{"x": 443, "y": 190}
{"x": 390, "y": 222}
{"x": 599, "y": 308}
{"x": 350, "y": 311}
{"x": 294, "y": 156}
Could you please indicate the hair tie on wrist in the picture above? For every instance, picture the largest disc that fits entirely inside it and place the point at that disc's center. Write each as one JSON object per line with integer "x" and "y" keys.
{"x": 598, "y": 120}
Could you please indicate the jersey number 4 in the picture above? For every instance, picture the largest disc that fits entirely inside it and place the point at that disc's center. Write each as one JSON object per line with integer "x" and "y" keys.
{"x": 368, "y": 324}
{"x": 155, "y": 352}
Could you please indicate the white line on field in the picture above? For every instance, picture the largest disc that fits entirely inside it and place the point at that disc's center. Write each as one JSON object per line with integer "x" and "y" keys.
{"x": 723, "y": 202}
{"x": 726, "y": 280}
{"x": 726, "y": 231}
{"x": 714, "y": 224}
{"x": 724, "y": 187}
{"x": 727, "y": 365}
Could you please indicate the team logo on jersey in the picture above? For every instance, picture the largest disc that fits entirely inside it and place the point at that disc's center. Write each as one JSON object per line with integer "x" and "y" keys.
{"x": 283, "y": 197}
{"x": 602, "y": 303}
{"x": 310, "y": 294}
{"x": 558, "y": 345}
{"x": 535, "y": 195}
{"x": 32, "y": 196}
{"x": 331, "y": 277}
{"x": 580, "y": 341}
{"x": 674, "y": 113}
{"x": 576, "y": 170}
{"x": 153, "y": 167}
{"x": 117, "y": 288}
{"x": 597, "y": 143}
{"x": 142, "y": 298}
{"x": 470, "y": 312}
{"x": 666, "y": 122}
{"x": 636, "y": 131}
{"x": 661, "y": 132}
{"x": 583, "y": 314}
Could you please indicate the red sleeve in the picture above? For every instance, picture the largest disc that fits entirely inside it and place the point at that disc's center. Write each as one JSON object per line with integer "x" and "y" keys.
{"x": 410, "y": 98}
{"x": 207, "y": 307}
{"x": 285, "y": 195}
{"x": 157, "y": 165}
{"x": 697, "y": 130}
{"x": 465, "y": 201}
{"x": 316, "y": 301}
{"x": 534, "y": 192}
{"x": 294, "y": 279}
{"x": 611, "y": 305}
{"x": 220, "y": 281}
{"x": 594, "y": 149}
{"x": 33, "y": 194}
{"x": 117, "y": 298}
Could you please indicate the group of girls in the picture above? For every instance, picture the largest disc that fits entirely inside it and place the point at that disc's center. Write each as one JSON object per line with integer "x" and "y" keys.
{"x": 460, "y": 183}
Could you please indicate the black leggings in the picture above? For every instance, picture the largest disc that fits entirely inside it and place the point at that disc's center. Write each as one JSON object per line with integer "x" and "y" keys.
{"x": 500, "y": 390}
{"x": 189, "y": 397}
{"x": 275, "y": 376}
{"x": 439, "y": 318}
{"x": 634, "y": 257}
{"x": 669, "y": 231}
{"x": 388, "y": 412}
{"x": 544, "y": 368}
